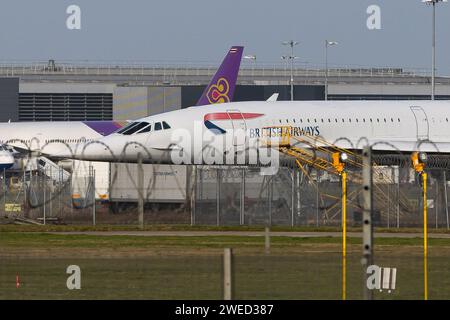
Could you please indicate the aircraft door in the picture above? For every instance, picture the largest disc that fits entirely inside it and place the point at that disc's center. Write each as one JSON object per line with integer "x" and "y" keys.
{"x": 422, "y": 124}
{"x": 239, "y": 127}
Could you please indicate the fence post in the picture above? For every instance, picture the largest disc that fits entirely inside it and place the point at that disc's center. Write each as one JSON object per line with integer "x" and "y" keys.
{"x": 44, "y": 179}
{"x": 267, "y": 240}
{"x": 140, "y": 173}
{"x": 292, "y": 196}
{"x": 436, "y": 201}
{"x": 218, "y": 173}
{"x": 398, "y": 198}
{"x": 367, "y": 218}
{"x": 299, "y": 203}
{"x": 446, "y": 197}
{"x": 4, "y": 190}
{"x": 242, "y": 202}
{"x": 317, "y": 197}
{"x": 93, "y": 197}
{"x": 270, "y": 196}
{"x": 227, "y": 274}
{"x": 193, "y": 194}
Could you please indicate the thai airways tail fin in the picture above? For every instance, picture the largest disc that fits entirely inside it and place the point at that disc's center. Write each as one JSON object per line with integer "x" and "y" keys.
{"x": 222, "y": 85}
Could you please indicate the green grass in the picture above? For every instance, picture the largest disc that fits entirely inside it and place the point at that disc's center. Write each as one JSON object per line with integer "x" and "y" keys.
{"x": 136, "y": 267}
{"x": 174, "y": 227}
{"x": 53, "y": 240}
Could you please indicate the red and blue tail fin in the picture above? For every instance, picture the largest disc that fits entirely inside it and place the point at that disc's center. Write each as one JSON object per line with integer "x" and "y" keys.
{"x": 222, "y": 85}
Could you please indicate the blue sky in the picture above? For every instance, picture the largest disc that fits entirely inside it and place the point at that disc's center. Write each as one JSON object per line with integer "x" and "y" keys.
{"x": 202, "y": 30}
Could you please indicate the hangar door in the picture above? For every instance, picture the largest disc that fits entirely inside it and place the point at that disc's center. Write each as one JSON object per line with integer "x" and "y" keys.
{"x": 422, "y": 125}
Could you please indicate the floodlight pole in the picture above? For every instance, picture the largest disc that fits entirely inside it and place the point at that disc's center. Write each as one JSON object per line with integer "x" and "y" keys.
{"x": 339, "y": 160}
{"x": 291, "y": 43}
{"x": 425, "y": 235}
{"x": 326, "y": 70}
{"x": 433, "y": 46}
{"x": 253, "y": 58}
{"x": 327, "y": 44}
{"x": 433, "y": 54}
{"x": 344, "y": 235}
{"x": 418, "y": 163}
{"x": 292, "y": 71}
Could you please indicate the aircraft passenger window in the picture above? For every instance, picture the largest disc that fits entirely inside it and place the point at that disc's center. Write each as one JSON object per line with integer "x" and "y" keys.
{"x": 321, "y": 120}
{"x": 392, "y": 120}
{"x": 343, "y": 120}
{"x": 329, "y": 120}
{"x": 280, "y": 120}
{"x": 307, "y": 120}
{"x": 166, "y": 125}
{"x": 378, "y": 120}
{"x": 349, "y": 120}
{"x": 146, "y": 129}
{"x": 446, "y": 119}
{"x": 384, "y": 119}
{"x": 370, "y": 119}
{"x": 357, "y": 120}
{"x": 159, "y": 127}
{"x": 335, "y": 120}
{"x": 293, "y": 120}
{"x": 315, "y": 120}
{"x": 398, "y": 119}
{"x": 301, "y": 120}
{"x": 136, "y": 128}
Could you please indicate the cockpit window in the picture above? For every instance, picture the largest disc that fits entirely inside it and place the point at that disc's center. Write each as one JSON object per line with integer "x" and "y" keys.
{"x": 127, "y": 127}
{"x": 141, "y": 127}
{"x": 136, "y": 128}
{"x": 146, "y": 129}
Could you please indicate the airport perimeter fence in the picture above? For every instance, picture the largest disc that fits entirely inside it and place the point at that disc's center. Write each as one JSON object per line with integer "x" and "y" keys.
{"x": 224, "y": 196}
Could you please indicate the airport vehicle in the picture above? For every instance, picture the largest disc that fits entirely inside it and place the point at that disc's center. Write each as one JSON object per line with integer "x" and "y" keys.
{"x": 222, "y": 135}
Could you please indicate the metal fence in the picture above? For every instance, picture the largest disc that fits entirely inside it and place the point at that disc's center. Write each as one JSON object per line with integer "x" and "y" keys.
{"x": 224, "y": 196}
{"x": 188, "y": 72}
{"x": 234, "y": 196}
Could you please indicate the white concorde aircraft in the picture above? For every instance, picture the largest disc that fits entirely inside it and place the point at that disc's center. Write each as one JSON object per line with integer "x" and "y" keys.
{"x": 237, "y": 132}
{"x": 44, "y": 136}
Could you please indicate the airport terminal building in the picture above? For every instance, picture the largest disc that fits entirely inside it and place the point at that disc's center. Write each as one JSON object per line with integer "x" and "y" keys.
{"x": 61, "y": 92}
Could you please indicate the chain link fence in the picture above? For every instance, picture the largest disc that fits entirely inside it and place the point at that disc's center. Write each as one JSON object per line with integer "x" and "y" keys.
{"x": 221, "y": 196}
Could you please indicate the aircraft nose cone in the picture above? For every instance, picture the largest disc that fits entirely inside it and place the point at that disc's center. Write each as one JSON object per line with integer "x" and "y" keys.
{"x": 6, "y": 160}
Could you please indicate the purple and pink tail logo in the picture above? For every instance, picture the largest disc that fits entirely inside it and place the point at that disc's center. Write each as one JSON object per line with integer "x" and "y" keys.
{"x": 221, "y": 87}
{"x": 210, "y": 119}
{"x": 218, "y": 92}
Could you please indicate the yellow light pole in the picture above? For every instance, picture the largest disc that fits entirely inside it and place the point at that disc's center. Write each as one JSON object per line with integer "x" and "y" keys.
{"x": 344, "y": 235}
{"x": 425, "y": 236}
{"x": 339, "y": 160}
{"x": 418, "y": 162}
